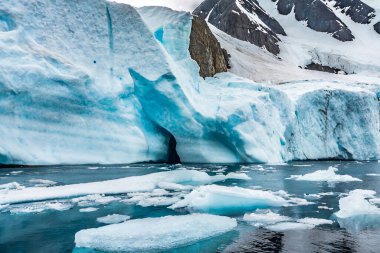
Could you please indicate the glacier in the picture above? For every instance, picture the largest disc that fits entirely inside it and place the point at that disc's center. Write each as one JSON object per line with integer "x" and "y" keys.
{"x": 84, "y": 92}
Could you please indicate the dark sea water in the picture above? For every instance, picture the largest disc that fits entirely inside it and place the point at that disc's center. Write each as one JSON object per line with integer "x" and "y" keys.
{"x": 53, "y": 231}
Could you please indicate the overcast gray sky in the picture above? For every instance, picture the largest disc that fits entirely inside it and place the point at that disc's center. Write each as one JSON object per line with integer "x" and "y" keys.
{"x": 186, "y": 5}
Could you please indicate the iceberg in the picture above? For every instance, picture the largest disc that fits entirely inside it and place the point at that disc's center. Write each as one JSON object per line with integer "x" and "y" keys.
{"x": 356, "y": 212}
{"x": 231, "y": 200}
{"x": 85, "y": 93}
{"x": 154, "y": 234}
{"x": 328, "y": 175}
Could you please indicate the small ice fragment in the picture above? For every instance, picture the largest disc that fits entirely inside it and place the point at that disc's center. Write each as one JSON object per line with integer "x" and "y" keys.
{"x": 315, "y": 221}
{"x": 154, "y": 234}
{"x": 17, "y": 172}
{"x": 113, "y": 219}
{"x": 11, "y": 186}
{"x": 373, "y": 175}
{"x": 88, "y": 210}
{"x": 264, "y": 218}
{"x": 325, "y": 208}
{"x": 42, "y": 182}
{"x": 283, "y": 226}
{"x": 328, "y": 175}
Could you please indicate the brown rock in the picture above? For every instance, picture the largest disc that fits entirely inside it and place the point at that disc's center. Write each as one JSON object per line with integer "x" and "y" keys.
{"x": 206, "y": 50}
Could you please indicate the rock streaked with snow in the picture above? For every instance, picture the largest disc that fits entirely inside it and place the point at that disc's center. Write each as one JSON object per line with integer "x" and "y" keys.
{"x": 154, "y": 234}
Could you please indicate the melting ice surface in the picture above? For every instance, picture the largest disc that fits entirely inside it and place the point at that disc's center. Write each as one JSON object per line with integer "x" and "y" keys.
{"x": 233, "y": 208}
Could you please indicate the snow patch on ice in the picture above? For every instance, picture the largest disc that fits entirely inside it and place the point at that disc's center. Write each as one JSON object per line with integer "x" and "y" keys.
{"x": 154, "y": 234}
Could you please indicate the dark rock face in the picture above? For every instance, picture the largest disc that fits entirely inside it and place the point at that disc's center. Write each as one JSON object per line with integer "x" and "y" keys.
{"x": 318, "y": 17}
{"x": 206, "y": 50}
{"x": 377, "y": 27}
{"x": 328, "y": 69}
{"x": 358, "y": 11}
{"x": 244, "y": 20}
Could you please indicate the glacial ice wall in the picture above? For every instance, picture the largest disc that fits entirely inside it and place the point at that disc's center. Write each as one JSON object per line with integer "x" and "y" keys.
{"x": 66, "y": 95}
{"x": 99, "y": 82}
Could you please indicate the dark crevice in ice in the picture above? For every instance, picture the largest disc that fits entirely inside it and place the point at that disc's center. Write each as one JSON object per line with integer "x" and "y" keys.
{"x": 173, "y": 157}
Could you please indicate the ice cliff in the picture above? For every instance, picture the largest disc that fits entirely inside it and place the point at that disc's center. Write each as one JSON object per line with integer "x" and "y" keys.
{"x": 99, "y": 82}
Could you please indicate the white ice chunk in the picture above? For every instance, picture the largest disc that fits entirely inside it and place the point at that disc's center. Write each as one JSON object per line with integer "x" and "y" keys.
{"x": 39, "y": 207}
{"x": 88, "y": 210}
{"x": 315, "y": 221}
{"x": 42, "y": 182}
{"x": 222, "y": 199}
{"x": 11, "y": 186}
{"x": 264, "y": 218}
{"x": 118, "y": 186}
{"x": 357, "y": 212}
{"x": 283, "y": 226}
{"x": 154, "y": 234}
{"x": 328, "y": 175}
{"x": 113, "y": 219}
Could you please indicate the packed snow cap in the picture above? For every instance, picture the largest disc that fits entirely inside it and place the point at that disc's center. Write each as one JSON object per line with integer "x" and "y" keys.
{"x": 85, "y": 93}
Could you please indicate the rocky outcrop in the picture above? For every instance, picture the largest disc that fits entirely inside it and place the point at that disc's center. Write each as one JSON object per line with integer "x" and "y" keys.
{"x": 244, "y": 20}
{"x": 328, "y": 69}
{"x": 358, "y": 11}
{"x": 317, "y": 16}
{"x": 377, "y": 27}
{"x": 206, "y": 50}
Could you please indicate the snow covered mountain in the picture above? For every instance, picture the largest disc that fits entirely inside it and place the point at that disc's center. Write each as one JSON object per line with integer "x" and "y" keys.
{"x": 93, "y": 81}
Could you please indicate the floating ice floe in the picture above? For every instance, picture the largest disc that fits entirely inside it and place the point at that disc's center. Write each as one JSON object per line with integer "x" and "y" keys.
{"x": 264, "y": 217}
{"x": 118, "y": 186}
{"x": 42, "y": 182}
{"x": 318, "y": 195}
{"x": 356, "y": 212}
{"x": 39, "y": 207}
{"x": 94, "y": 200}
{"x": 229, "y": 200}
{"x": 16, "y": 172}
{"x": 277, "y": 222}
{"x": 373, "y": 175}
{"x": 283, "y": 226}
{"x": 88, "y": 210}
{"x": 328, "y": 175}
{"x": 10, "y": 186}
{"x": 154, "y": 234}
{"x": 158, "y": 197}
{"x": 113, "y": 219}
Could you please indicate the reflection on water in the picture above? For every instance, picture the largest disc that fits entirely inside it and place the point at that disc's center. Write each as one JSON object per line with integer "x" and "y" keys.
{"x": 53, "y": 231}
